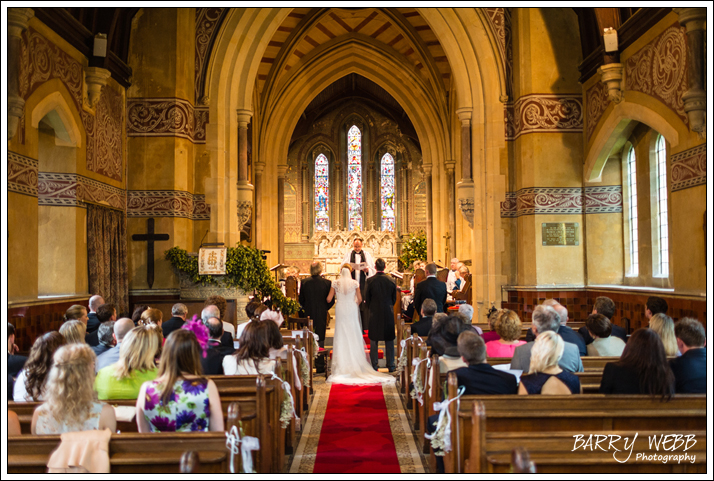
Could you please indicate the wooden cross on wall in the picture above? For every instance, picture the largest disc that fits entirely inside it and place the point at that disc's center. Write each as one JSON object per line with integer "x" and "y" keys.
{"x": 150, "y": 238}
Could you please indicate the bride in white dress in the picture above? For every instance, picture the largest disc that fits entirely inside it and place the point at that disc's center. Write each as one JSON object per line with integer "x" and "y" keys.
{"x": 349, "y": 360}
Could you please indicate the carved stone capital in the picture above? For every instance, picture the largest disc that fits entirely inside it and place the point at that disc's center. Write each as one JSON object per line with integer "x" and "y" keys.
{"x": 692, "y": 18}
{"x": 611, "y": 76}
{"x": 95, "y": 78}
{"x": 259, "y": 167}
{"x": 18, "y": 20}
{"x": 464, "y": 114}
{"x": 450, "y": 166}
{"x": 282, "y": 170}
{"x": 15, "y": 109}
{"x": 427, "y": 169}
{"x": 243, "y": 116}
{"x": 466, "y": 197}
{"x": 695, "y": 105}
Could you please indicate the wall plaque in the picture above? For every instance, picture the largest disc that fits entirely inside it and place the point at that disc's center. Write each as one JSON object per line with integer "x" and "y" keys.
{"x": 560, "y": 233}
{"x": 212, "y": 260}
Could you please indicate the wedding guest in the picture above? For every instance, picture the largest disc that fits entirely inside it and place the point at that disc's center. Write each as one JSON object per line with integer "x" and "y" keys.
{"x": 443, "y": 336}
{"x": 105, "y": 336}
{"x": 480, "y": 377}
{"x": 655, "y": 305}
{"x": 95, "y": 302}
{"x": 30, "y": 383}
{"x": 605, "y": 306}
{"x": 492, "y": 335}
{"x": 466, "y": 311}
{"x": 77, "y": 313}
{"x": 212, "y": 364}
{"x": 222, "y": 305}
{"x": 121, "y": 329}
{"x": 138, "y": 311}
{"x": 690, "y": 370}
{"x": 15, "y": 362}
{"x": 180, "y": 398}
{"x": 73, "y": 332}
{"x": 545, "y": 375}
{"x": 508, "y": 327}
{"x": 151, "y": 316}
{"x": 136, "y": 365}
{"x": 70, "y": 403}
{"x": 423, "y": 325}
{"x": 430, "y": 288}
{"x": 105, "y": 313}
{"x": 213, "y": 311}
{"x": 599, "y": 327}
{"x": 178, "y": 317}
{"x": 253, "y": 355}
{"x": 642, "y": 369}
{"x": 663, "y": 325}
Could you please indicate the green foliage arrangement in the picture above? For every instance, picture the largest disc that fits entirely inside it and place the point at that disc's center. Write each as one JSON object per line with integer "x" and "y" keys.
{"x": 245, "y": 269}
{"x": 413, "y": 249}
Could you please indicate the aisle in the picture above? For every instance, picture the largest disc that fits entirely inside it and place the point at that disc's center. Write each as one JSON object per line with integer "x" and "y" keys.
{"x": 356, "y": 429}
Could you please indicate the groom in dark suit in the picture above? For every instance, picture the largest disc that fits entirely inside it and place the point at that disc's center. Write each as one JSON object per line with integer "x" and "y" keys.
{"x": 380, "y": 296}
{"x": 313, "y": 299}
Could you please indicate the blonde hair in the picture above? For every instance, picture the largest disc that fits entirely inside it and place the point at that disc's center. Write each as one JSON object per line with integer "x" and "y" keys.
{"x": 70, "y": 384}
{"x": 346, "y": 265}
{"x": 73, "y": 331}
{"x": 508, "y": 325}
{"x": 151, "y": 316}
{"x": 137, "y": 352}
{"x": 663, "y": 325}
{"x": 547, "y": 351}
{"x": 75, "y": 312}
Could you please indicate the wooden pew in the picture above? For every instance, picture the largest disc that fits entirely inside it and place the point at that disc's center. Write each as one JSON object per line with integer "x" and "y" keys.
{"x": 587, "y": 413}
{"x": 259, "y": 400}
{"x": 129, "y": 452}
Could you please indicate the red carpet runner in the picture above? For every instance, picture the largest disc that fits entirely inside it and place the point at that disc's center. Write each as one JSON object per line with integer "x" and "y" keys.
{"x": 355, "y": 436}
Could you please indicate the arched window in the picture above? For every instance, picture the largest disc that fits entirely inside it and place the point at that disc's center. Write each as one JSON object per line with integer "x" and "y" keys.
{"x": 322, "y": 193}
{"x": 386, "y": 192}
{"x": 661, "y": 265}
{"x": 354, "y": 178}
{"x": 634, "y": 267}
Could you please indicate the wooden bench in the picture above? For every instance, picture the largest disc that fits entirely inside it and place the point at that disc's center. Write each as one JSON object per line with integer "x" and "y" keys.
{"x": 587, "y": 413}
{"x": 128, "y": 452}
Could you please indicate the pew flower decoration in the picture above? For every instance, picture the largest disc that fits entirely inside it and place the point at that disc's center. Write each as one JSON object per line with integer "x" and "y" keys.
{"x": 200, "y": 330}
{"x": 304, "y": 369}
{"x": 441, "y": 438}
{"x": 402, "y": 363}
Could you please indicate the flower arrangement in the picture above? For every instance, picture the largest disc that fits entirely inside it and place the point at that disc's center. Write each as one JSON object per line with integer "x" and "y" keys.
{"x": 245, "y": 269}
{"x": 413, "y": 249}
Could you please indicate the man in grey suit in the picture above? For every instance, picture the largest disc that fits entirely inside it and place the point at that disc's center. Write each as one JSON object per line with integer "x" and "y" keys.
{"x": 109, "y": 357}
{"x": 545, "y": 318}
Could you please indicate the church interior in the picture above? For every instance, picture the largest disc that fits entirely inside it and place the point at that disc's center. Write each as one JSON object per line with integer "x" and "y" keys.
{"x": 555, "y": 153}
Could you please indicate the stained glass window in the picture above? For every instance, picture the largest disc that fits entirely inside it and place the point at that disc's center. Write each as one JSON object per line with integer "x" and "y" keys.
{"x": 632, "y": 214}
{"x": 354, "y": 178}
{"x": 662, "y": 222}
{"x": 322, "y": 194}
{"x": 386, "y": 193}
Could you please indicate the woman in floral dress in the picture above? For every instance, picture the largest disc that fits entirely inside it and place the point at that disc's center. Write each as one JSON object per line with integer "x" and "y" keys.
{"x": 180, "y": 398}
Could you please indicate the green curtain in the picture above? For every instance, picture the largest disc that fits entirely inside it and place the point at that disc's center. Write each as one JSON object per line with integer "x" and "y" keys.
{"x": 107, "y": 256}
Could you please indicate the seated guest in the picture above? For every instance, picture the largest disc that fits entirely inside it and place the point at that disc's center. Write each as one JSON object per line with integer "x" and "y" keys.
{"x": 565, "y": 331}
{"x": 77, "y": 313}
{"x": 213, "y": 311}
{"x": 444, "y": 335}
{"x": 121, "y": 329}
{"x": 544, "y": 375}
{"x": 545, "y": 318}
{"x": 276, "y": 347}
{"x": 642, "y": 369}
{"x": 220, "y": 303}
{"x": 155, "y": 329}
{"x": 138, "y": 311}
{"x": 136, "y": 365}
{"x": 655, "y": 305}
{"x": 179, "y": 399}
{"x": 151, "y": 316}
{"x": 95, "y": 302}
{"x": 253, "y": 355}
{"x": 105, "y": 313}
{"x": 492, "y": 335}
{"x": 605, "y": 306}
{"x": 73, "y": 332}
{"x": 479, "y": 377}
{"x": 212, "y": 364}
{"x": 15, "y": 362}
{"x": 663, "y": 325}
{"x": 105, "y": 335}
{"x": 70, "y": 403}
{"x": 13, "y": 424}
{"x": 419, "y": 275}
{"x": 508, "y": 327}
{"x": 30, "y": 383}
{"x": 599, "y": 327}
{"x": 178, "y": 317}
{"x": 466, "y": 311}
{"x": 423, "y": 325}
{"x": 690, "y": 370}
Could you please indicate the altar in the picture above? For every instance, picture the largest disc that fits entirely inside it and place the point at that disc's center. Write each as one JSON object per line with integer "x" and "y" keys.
{"x": 331, "y": 247}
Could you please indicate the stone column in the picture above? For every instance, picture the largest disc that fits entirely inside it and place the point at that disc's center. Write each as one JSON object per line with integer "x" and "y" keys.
{"x": 305, "y": 235}
{"x": 695, "y": 99}
{"x": 450, "y": 182}
{"x": 244, "y": 187}
{"x": 337, "y": 188}
{"x": 282, "y": 169}
{"x": 403, "y": 194}
{"x": 373, "y": 193}
{"x": 258, "y": 167}
{"x": 17, "y": 22}
{"x": 465, "y": 187}
{"x": 429, "y": 216}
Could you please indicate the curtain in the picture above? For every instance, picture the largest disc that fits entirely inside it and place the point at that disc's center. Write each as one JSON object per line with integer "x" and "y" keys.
{"x": 107, "y": 256}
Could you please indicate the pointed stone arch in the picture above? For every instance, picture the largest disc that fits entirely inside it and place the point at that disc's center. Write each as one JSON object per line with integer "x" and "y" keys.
{"x": 62, "y": 115}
